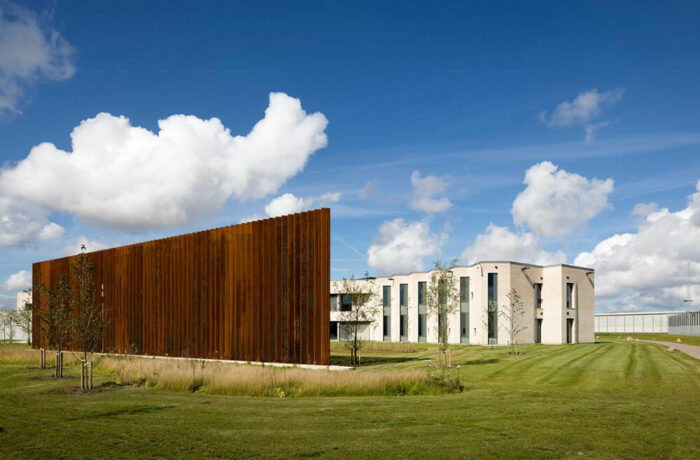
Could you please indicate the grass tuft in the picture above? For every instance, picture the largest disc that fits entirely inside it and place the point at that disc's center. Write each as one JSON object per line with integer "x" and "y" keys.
{"x": 22, "y": 354}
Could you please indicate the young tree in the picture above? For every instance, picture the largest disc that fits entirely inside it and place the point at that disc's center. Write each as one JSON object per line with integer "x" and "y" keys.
{"x": 91, "y": 316}
{"x": 25, "y": 316}
{"x": 57, "y": 316}
{"x": 364, "y": 307}
{"x": 9, "y": 321}
{"x": 512, "y": 314}
{"x": 442, "y": 298}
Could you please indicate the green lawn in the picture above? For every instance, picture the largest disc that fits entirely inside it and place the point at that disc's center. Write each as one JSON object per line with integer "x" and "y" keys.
{"x": 687, "y": 339}
{"x": 612, "y": 399}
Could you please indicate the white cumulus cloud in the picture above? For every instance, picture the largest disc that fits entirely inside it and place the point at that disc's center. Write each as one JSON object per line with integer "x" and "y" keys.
{"x": 400, "y": 247}
{"x": 582, "y": 110}
{"x": 90, "y": 246}
{"x": 424, "y": 191}
{"x": 30, "y": 50}
{"x": 288, "y": 203}
{"x": 22, "y": 221}
{"x": 17, "y": 281}
{"x": 648, "y": 268}
{"x": 644, "y": 209}
{"x": 126, "y": 176}
{"x": 556, "y": 202}
{"x": 499, "y": 243}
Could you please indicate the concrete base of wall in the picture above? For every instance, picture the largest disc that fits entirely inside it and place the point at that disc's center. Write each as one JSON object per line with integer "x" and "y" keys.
{"x": 317, "y": 367}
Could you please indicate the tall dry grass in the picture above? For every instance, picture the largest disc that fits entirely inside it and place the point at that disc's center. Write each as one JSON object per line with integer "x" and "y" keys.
{"x": 28, "y": 356}
{"x": 250, "y": 380}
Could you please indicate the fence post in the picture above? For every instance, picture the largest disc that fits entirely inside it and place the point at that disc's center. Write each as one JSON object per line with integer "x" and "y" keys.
{"x": 58, "y": 363}
{"x": 42, "y": 358}
{"x": 90, "y": 386}
{"x": 82, "y": 375}
{"x": 61, "y": 360}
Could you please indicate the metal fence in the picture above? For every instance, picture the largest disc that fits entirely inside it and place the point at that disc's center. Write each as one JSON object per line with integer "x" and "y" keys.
{"x": 687, "y": 323}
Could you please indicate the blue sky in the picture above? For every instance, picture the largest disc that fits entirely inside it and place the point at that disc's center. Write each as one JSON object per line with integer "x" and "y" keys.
{"x": 469, "y": 96}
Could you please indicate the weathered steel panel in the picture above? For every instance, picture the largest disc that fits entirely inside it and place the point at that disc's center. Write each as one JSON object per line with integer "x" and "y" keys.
{"x": 257, "y": 291}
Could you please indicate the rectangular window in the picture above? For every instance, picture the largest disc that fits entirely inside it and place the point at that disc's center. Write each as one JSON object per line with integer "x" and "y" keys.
{"x": 538, "y": 295}
{"x": 569, "y": 330}
{"x": 334, "y": 330}
{"x": 386, "y": 304}
{"x": 442, "y": 318}
{"x": 422, "y": 310}
{"x": 538, "y": 330}
{"x": 334, "y": 302}
{"x": 493, "y": 307}
{"x": 403, "y": 311}
{"x": 464, "y": 309}
{"x": 421, "y": 292}
{"x": 569, "y": 295}
{"x": 345, "y": 302}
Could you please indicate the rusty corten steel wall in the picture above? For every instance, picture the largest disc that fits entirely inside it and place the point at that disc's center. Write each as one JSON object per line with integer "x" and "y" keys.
{"x": 258, "y": 291}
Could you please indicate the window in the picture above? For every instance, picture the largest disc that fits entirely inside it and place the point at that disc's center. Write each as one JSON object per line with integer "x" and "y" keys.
{"x": 538, "y": 330}
{"x": 334, "y": 302}
{"x": 422, "y": 310}
{"x": 538, "y": 295}
{"x": 334, "y": 330}
{"x": 569, "y": 295}
{"x": 442, "y": 317}
{"x": 403, "y": 307}
{"x": 493, "y": 307}
{"x": 569, "y": 330}
{"x": 386, "y": 303}
{"x": 346, "y": 302}
{"x": 464, "y": 309}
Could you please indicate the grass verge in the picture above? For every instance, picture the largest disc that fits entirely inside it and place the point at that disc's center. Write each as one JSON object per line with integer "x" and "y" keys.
{"x": 608, "y": 400}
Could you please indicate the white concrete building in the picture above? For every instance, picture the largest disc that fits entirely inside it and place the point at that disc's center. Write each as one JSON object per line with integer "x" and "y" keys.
{"x": 18, "y": 334}
{"x": 558, "y": 300}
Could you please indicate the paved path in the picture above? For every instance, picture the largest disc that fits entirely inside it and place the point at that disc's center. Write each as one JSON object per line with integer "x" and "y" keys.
{"x": 691, "y": 350}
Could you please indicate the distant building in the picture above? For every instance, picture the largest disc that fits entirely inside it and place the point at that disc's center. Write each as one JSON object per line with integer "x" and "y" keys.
{"x": 18, "y": 335}
{"x": 656, "y": 321}
{"x": 558, "y": 301}
{"x": 23, "y": 298}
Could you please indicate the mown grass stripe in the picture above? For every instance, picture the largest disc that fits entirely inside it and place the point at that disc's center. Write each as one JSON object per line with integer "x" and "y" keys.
{"x": 579, "y": 353}
{"x": 571, "y": 372}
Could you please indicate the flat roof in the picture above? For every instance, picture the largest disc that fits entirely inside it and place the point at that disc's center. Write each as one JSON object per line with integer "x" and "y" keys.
{"x": 576, "y": 267}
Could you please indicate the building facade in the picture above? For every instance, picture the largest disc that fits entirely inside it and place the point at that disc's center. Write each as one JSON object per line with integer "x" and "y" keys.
{"x": 257, "y": 291}
{"x": 558, "y": 302}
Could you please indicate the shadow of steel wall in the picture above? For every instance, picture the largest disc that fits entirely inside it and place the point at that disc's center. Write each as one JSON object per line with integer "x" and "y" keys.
{"x": 258, "y": 291}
